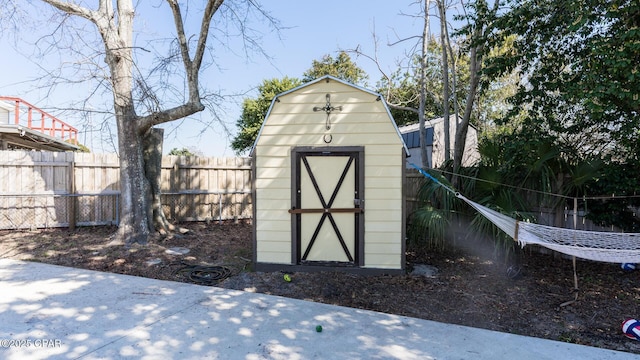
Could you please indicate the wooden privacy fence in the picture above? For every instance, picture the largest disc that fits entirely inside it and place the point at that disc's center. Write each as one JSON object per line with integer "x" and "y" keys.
{"x": 413, "y": 182}
{"x": 48, "y": 189}
{"x": 64, "y": 189}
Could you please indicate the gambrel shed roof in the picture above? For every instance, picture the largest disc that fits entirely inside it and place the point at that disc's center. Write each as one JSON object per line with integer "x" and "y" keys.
{"x": 326, "y": 79}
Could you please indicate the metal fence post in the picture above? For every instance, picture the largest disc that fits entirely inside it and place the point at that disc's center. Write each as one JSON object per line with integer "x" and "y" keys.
{"x": 117, "y": 209}
{"x": 72, "y": 199}
{"x": 220, "y": 208}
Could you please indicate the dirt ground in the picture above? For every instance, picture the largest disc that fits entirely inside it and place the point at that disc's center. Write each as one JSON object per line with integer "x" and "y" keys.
{"x": 469, "y": 288}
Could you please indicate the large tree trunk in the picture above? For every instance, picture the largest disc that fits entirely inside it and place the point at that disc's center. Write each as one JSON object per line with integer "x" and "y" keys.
{"x": 463, "y": 127}
{"x": 445, "y": 81}
{"x": 423, "y": 86}
{"x": 134, "y": 189}
{"x": 482, "y": 28}
{"x": 152, "y": 150}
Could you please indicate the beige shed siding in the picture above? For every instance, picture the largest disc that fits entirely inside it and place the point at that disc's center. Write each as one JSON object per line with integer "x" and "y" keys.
{"x": 276, "y": 183}
{"x": 272, "y": 219}
{"x": 381, "y": 182}
{"x": 386, "y": 194}
{"x": 273, "y": 194}
{"x": 384, "y": 261}
{"x": 363, "y": 121}
{"x": 268, "y": 256}
{"x": 381, "y": 215}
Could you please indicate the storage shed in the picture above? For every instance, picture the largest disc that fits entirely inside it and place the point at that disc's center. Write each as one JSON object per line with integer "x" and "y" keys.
{"x": 329, "y": 182}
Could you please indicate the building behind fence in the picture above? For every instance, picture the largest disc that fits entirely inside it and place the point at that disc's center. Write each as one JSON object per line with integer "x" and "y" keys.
{"x": 65, "y": 189}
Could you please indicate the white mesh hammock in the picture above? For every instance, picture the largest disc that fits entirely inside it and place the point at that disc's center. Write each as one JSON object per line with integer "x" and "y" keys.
{"x": 593, "y": 245}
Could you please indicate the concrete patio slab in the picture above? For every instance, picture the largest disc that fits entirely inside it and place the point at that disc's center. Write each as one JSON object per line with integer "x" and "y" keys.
{"x": 53, "y": 312}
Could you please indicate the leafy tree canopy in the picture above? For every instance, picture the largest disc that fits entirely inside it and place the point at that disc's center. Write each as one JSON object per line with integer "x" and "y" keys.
{"x": 254, "y": 111}
{"x": 181, "y": 152}
{"x": 81, "y": 147}
{"x": 342, "y": 67}
{"x": 578, "y": 61}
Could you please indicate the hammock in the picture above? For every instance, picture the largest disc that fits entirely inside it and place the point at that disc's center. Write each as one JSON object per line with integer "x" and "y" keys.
{"x": 592, "y": 245}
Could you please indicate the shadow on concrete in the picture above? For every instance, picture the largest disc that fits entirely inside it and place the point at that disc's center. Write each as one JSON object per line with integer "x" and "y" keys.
{"x": 52, "y": 312}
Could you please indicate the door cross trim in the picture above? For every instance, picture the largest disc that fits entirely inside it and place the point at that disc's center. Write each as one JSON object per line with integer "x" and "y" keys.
{"x": 326, "y": 214}
{"x": 325, "y": 210}
{"x": 353, "y": 254}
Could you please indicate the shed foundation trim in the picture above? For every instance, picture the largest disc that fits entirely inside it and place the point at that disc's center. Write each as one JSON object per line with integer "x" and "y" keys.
{"x": 271, "y": 267}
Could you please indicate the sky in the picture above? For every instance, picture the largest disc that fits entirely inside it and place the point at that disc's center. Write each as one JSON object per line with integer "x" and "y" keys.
{"x": 310, "y": 30}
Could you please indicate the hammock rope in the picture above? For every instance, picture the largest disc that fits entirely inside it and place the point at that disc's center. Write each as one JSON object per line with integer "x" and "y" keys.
{"x": 592, "y": 245}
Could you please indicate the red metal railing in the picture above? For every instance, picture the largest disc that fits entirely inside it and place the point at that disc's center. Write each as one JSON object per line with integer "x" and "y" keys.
{"x": 39, "y": 120}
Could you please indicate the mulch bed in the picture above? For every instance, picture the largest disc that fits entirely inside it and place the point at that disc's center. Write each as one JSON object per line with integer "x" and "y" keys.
{"x": 472, "y": 288}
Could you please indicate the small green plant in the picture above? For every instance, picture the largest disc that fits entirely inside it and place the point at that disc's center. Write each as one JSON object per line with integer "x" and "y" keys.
{"x": 567, "y": 337}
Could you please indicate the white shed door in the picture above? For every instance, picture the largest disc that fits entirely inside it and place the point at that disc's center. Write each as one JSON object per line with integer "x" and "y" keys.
{"x": 328, "y": 208}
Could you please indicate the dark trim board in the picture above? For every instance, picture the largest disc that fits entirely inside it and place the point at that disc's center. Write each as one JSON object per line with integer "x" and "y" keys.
{"x": 254, "y": 211}
{"x": 403, "y": 260}
{"x": 286, "y": 268}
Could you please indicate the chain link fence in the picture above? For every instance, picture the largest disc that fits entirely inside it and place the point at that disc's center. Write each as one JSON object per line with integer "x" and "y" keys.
{"x": 58, "y": 210}
{"x": 33, "y": 211}
{"x": 207, "y": 206}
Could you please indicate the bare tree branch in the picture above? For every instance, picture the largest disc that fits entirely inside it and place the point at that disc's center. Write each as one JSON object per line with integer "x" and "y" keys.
{"x": 404, "y": 39}
{"x": 192, "y": 68}
{"x": 212, "y": 8}
{"x": 73, "y": 9}
{"x": 405, "y": 108}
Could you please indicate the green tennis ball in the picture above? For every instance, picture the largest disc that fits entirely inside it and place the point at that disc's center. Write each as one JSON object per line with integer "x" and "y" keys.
{"x": 319, "y": 328}
{"x": 287, "y": 277}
